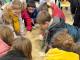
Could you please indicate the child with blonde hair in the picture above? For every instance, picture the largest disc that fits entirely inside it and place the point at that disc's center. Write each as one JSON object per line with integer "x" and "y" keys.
{"x": 6, "y": 39}
{"x": 21, "y": 50}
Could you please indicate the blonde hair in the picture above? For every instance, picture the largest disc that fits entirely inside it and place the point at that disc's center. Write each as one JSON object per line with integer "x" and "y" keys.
{"x": 60, "y": 39}
{"x": 17, "y": 2}
{"x": 23, "y": 45}
{"x": 6, "y": 34}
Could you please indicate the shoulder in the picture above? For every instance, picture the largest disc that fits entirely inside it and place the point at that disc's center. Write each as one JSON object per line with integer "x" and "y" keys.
{"x": 13, "y": 55}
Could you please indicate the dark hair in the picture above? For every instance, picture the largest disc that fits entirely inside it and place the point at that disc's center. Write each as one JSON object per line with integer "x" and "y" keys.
{"x": 23, "y": 45}
{"x": 31, "y": 4}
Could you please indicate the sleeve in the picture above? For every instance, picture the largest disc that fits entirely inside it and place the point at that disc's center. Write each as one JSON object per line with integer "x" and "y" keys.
{"x": 27, "y": 19}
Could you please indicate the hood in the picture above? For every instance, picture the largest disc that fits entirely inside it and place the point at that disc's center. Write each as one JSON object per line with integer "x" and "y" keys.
{"x": 56, "y": 23}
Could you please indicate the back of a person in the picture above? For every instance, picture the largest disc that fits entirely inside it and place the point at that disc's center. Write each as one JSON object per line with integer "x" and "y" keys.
{"x": 13, "y": 55}
{"x": 18, "y": 51}
{"x": 6, "y": 39}
{"x": 61, "y": 47}
{"x": 57, "y": 54}
{"x": 57, "y": 11}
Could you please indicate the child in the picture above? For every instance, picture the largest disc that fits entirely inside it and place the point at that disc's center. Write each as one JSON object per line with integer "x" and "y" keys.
{"x": 62, "y": 47}
{"x": 29, "y": 15}
{"x": 62, "y": 40}
{"x": 32, "y": 11}
{"x": 12, "y": 14}
{"x": 6, "y": 39}
{"x": 49, "y": 30}
{"x": 21, "y": 50}
{"x": 53, "y": 10}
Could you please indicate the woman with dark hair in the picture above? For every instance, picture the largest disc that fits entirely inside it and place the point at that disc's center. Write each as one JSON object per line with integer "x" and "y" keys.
{"x": 21, "y": 50}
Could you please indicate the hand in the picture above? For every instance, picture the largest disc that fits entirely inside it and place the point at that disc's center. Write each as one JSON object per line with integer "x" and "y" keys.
{"x": 28, "y": 32}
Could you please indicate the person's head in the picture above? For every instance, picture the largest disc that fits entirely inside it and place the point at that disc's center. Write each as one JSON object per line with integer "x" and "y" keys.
{"x": 46, "y": 6}
{"x": 24, "y": 46}
{"x": 43, "y": 7}
{"x": 31, "y": 6}
{"x": 62, "y": 39}
{"x": 43, "y": 19}
{"x": 6, "y": 34}
{"x": 16, "y": 7}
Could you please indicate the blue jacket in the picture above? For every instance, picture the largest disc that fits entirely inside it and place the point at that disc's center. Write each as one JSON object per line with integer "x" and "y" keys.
{"x": 72, "y": 30}
{"x": 34, "y": 14}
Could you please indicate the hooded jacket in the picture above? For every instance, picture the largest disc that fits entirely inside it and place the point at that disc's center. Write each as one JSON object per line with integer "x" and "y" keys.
{"x": 27, "y": 20}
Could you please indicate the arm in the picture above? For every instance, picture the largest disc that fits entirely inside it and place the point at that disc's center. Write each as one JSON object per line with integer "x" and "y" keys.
{"x": 27, "y": 19}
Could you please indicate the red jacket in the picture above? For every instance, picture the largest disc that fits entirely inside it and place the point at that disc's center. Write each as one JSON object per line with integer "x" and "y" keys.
{"x": 27, "y": 19}
{"x": 57, "y": 11}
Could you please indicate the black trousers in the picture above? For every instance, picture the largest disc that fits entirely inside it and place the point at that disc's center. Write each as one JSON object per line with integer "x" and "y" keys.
{"x": 77, "y": 21}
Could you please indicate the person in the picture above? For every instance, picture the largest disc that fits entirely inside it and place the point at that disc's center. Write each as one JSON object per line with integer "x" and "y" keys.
{"x": 77, "y": 15}
{"x": 32, "y": 11}
{"x": 12, "y": 14}
{"x": 61, "y": 47}
{"x": 53, "y": 10}
{"x": 29, "y": 15}
{"x": 21, "y": 50}
{"x": 63, "y": 40}
{"x": 6, "y": 39}
{"x": 57, "y": 2}
{"x": 75, "y": 4}
{"x": 48, "y": 29}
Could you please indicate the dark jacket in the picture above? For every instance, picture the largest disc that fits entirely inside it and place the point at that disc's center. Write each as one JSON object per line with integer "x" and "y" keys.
{"x": 14, "y": 55}
{"x": 75, "y": 9}
{"x": 73, "y": 4}
{"x": 54, "y": 29}
{"x": 34, "y": 14}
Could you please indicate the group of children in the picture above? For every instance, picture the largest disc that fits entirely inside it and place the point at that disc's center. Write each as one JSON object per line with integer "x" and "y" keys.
{"x": 58, "y": 36}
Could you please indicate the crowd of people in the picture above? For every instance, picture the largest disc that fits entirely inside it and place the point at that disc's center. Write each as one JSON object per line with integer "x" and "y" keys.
{"x": 61, "y": 41}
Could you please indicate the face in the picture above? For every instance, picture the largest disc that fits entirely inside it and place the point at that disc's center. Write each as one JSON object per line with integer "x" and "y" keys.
{"x": 45, "y": 26}
{"x": 16, "y": 10}
{"x": 31, "y": 9}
